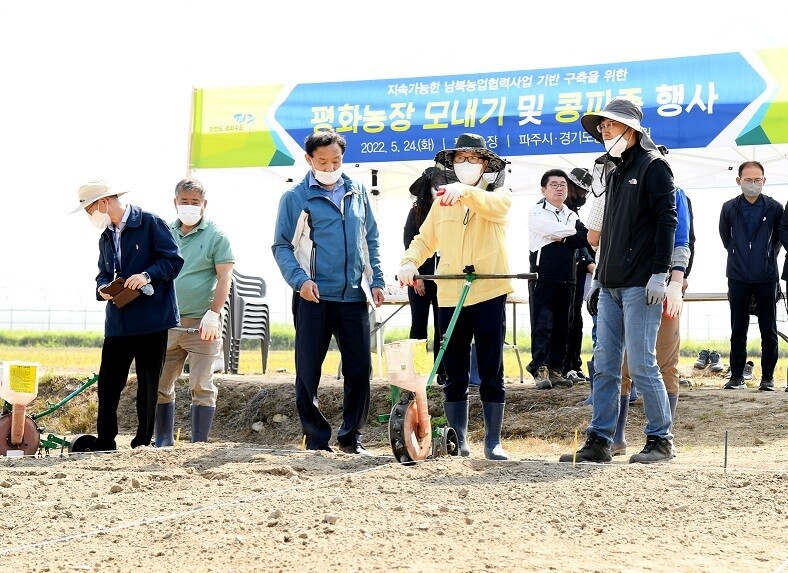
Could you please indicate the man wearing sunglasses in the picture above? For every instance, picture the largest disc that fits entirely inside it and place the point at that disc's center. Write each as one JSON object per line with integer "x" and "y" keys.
{"x": 636, "y": 246}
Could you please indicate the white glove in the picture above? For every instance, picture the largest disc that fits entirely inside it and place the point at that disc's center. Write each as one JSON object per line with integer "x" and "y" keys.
{"x": 656, "y": 289}
{"x": 406, "y": 274}
{"x": 674, "y": 298}
{"x": 209, "y": 325}
{"x": 449, "y": 194}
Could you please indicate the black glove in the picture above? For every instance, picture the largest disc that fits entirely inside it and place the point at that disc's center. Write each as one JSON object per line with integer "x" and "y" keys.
{"x": 593, "y": 297}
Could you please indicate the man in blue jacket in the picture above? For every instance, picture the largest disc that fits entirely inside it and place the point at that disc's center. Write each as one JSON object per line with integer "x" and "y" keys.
{"x": 138, "y": 246}
{"x": 326, "y": 247}
{"x": 749, "y": 229}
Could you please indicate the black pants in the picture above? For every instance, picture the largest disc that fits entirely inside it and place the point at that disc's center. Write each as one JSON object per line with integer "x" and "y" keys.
{"x": 147, "y": 351}
{"x": 739, "y": 294}
{"x": 315, "y": 323}
{"x": 549, "y": 306}
{"x": 486, "y": 323}
{"x": 419, "y": 315}
{"x": 574, "y": 339}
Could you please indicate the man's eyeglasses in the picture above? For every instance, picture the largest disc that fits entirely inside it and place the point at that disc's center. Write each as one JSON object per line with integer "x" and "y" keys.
{"x": 472, "y": 159}
{"x": 757, "y": 181}
{"x": 606, "y": 126}
{"x": 557, "y": 185}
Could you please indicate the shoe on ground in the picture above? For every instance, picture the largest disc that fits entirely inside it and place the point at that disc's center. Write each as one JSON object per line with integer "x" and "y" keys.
{"x": 356, "y": 449}
{"x": 557, "y": 380}
{"x": 542, "y": 378}
{"x": 748, "y": 370}
{"x": 618, "y": 449}
{"x": 703, "y": 360}
{"x": 728, "y": 372}
{"x": 766, "y": 385}
{"x": 735, "y": 383}
{"x": 715, "y": 362}
{"x": 596, "y": 449}
{"x": 656, "y": 450}
{"x": 686, "y": 382}
{"x": 576, "y": 377}
{"x": 323, "y": 448}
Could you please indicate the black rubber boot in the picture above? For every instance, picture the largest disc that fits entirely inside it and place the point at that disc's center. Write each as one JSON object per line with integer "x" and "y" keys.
{"x": 619, "y": 446}
{"x": 202, "y": 419}
{"x": 163, "y": 427}
{"x": 493, "y": 420}
{"x": 457, "y": 416}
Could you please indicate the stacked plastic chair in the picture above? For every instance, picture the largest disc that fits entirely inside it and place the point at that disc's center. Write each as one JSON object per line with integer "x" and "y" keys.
{"x": 248, "y": 318}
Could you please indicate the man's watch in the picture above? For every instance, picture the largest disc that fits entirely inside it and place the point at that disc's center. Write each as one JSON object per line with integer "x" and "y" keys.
{"x": 147, "y": 276}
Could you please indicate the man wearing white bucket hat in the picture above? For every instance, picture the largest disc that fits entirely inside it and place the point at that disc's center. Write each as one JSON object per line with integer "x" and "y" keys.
{"x": 138, "y": 246}
{"x": 634, "y": 259}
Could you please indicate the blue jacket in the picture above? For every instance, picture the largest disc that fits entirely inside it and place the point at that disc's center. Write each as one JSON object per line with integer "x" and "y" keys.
{"x": 751, "y": 258}
{"x": 337, "y": 248}
{"x": 146, "y": 245}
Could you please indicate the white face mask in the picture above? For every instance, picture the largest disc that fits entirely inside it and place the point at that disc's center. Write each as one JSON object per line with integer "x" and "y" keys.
{"x": 327, "y": 177}
{"x": 616, "y": 146}
{"x": 751, "y": 189}
{"x": 100, "y": 220}
{"x": 468, "y": 173}
{"x": 189, "y": 214}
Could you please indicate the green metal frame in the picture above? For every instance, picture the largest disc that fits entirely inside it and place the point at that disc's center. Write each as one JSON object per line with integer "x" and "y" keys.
{"x": 52, "y": 442}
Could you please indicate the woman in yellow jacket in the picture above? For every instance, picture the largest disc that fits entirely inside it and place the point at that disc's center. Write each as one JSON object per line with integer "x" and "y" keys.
{"x": 467, "y": 226}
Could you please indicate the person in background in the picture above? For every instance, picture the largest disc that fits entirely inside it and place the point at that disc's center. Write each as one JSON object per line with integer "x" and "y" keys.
{"x": 555, "y": 234}
{"x": 202, "y": 288}
{"x": 636, "y": 245}
{"x": 423, "y": 295}
{"x": 138, "y": 246}
{"x": 750, "y": 232}
{"x": 326, "y": 246}
{"x": 580, "y": 181}
{"x": 468, "y": 226}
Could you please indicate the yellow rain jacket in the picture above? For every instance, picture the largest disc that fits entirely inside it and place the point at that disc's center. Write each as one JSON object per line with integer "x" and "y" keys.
{"x": 470, "y": 232}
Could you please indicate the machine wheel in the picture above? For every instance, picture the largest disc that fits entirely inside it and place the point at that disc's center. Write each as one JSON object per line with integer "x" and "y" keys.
{"x": 403, "y": 435}
{"x": 31, "y": 436}
{"x": 82, "y": 443}
{"x": 445, "y": 443}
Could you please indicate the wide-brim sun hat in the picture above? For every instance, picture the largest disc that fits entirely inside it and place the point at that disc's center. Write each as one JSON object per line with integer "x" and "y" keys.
{"x": 93, "y": 191}
{"x": 620, "y": 109}
{"x": 472, "y": 143}
{"x": 582, "y": 178}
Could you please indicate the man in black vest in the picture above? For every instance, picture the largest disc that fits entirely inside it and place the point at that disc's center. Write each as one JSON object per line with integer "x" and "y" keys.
{"x": 634, "y": 259}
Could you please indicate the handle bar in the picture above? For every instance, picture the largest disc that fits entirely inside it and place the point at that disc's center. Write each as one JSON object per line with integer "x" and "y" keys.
{"x": 525, "y": 276}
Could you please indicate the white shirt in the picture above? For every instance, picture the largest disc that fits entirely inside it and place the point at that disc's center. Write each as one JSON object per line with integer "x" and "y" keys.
{"x": 547, "y": 224}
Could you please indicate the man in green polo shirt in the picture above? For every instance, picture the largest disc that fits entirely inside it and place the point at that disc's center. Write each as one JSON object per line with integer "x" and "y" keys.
{"x": 202, "y": 288}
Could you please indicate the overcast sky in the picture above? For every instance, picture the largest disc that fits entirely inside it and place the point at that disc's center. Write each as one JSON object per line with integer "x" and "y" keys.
{"x": 103, "y": 89}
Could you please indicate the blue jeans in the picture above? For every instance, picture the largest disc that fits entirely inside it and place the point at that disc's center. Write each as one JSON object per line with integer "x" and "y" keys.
{"x": 626, "y": 321}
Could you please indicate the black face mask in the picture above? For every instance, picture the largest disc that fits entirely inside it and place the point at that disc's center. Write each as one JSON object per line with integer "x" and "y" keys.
{"x": 574, "y": 203}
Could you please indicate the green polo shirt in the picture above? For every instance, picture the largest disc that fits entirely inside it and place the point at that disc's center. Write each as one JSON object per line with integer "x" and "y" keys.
{"x": 202, "y": 249}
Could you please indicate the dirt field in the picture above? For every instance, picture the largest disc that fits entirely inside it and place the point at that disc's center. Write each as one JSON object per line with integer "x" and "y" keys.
{"x": 253, "y": 501}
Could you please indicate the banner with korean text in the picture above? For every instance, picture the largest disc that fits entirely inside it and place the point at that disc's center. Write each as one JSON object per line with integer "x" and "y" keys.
{"x": 703, "y": 101}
